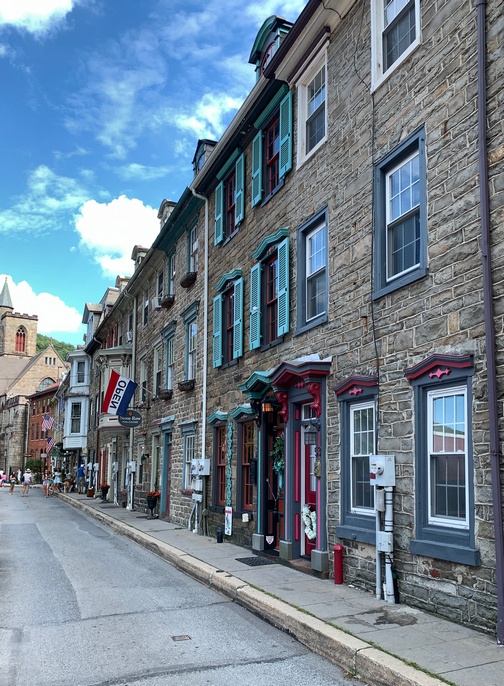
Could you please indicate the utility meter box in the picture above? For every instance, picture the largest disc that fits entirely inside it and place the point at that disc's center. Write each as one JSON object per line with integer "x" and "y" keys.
{"x": 382, "y": 470}
{"x": 200, "y": 467}
{"x": 384, "y": 542}
{"x": 132, "y": 466}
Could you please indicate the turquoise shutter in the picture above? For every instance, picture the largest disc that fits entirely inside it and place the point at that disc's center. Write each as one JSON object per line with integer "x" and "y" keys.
{"x": 240, "y": 189}
{"x": 238, "y": 319}
{"x": 217, "y": 331}
{"x": 285, "y": 156}
{"x": 255, "y": 306}
{"x": 283, "y": 287}
{"x": 257, "y": 169}
{"x": 219, "y": 213}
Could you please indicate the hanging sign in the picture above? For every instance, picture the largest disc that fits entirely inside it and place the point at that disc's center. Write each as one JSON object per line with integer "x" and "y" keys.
{"x": 130, "y": 419}
{"x": 228, "y": 521}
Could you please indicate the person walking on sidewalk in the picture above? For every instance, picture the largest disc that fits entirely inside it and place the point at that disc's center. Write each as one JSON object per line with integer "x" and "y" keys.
{"x": 81, "y": 479}
{"x": 12, "y": 483}
{"x": 27, "y": 480}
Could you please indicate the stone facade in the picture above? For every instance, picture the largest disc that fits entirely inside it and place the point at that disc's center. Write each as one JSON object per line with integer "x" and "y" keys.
{"x": 395, "y": 330}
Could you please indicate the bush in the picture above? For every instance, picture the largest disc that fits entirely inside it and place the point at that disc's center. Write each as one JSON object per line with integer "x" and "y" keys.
{"x": 34, "y": 465}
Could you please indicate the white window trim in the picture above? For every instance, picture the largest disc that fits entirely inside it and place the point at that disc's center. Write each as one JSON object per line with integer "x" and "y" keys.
{"x": 189, "y": 455}
{"x": 367, "y": 511}
{"x": 158, "y": 365}
{"x": 170, "y": 362}
{"x": 377, "y": 28}
{"x": 434, "y": 519}
{"x": 302, "y": 89}
{"x": 320, "y": 227}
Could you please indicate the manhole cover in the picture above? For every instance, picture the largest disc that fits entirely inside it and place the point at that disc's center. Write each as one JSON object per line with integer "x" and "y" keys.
{"x": 255, "y": 561}
{"x": 181, "y": 638}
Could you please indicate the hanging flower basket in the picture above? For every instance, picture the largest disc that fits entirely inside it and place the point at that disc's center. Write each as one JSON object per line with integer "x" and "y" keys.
{"x": 309, "y": 518}
{"x": 188, "y": 279}
{"x": 167, "y": 301}
{"x": 277, "y": 454}
{"x": 166, "y": 393}
{"x": 187, "y": 385}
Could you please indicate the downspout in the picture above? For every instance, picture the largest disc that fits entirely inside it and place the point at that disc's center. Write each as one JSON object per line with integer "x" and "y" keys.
{"x": 489, "y": 318}
{"x": 131, "y": 492}
{"x": 199, "y": 524}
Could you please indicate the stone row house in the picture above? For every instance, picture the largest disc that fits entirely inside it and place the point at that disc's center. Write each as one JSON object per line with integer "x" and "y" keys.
{"x": 328, "y": 289}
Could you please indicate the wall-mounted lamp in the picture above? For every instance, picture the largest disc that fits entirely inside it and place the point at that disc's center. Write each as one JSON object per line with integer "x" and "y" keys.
{"x": 267, "y": 406}
{"x": 311, "y": 433}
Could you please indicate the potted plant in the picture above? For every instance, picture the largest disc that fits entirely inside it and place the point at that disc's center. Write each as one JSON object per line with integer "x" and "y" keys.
{"x": 152, "y": 498}
{"x": 104, "y": 490}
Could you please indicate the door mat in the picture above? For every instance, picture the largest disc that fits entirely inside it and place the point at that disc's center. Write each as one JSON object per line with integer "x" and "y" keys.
{"x": 256, "y": 561}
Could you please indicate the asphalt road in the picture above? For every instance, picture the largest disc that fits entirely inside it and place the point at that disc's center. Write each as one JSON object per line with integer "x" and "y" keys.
{"x": 81, "y": 606}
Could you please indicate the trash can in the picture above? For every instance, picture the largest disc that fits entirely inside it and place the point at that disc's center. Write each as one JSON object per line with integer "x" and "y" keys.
{"x": 219, "y": 535}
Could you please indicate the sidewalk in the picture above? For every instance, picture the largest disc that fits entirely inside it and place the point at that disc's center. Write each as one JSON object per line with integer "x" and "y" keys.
{"x": 384, "y": 645}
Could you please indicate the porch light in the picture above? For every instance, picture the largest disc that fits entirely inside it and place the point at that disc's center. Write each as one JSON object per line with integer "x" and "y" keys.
{"x": 311, "y": 434}
{"x": 267, "y": 406}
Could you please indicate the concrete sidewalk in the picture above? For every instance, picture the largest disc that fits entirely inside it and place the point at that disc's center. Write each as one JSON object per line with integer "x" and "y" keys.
{"x": 384, "y": 645}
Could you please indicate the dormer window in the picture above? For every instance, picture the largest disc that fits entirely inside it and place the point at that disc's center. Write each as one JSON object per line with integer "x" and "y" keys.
{"x": 268, "y": 54}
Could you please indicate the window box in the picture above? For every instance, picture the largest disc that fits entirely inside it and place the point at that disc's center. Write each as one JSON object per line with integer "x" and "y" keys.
{"x": 166, "y": 393}
{"x": 187, "y": 385}
{"x": 167, "y": 301}
{"x": 188, "y": 279}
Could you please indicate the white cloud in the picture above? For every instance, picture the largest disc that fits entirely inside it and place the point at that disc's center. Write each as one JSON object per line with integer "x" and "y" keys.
{"x": 53, "y": 315}
{"x": 142, "y": 172}
{"x": 209, "y": 116}
{"x": 45, "y": 204}
{"x": 34, "y": 16}
{"x": 260, "y": 11}
{"x": 110, "y": 231}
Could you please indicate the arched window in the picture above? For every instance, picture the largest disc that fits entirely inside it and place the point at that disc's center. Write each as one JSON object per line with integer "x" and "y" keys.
{"x": 21, "y": 340}
{"x": 45, "y": 383}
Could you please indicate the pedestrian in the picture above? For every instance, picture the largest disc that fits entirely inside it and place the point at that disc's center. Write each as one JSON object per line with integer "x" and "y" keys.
{"x": 19, "y": 476}
{"x": 27, "y": 480}
{"x": 3, "y": 478}
{"x": 12, "y": 482}
{"x": 81, "y": 479}
{"x": 45, "y": 483}
{"x": 57, "y": 480}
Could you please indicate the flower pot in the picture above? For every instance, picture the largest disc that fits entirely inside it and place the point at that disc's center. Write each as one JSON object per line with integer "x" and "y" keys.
{"x": 104, "y": 492}
{"x": 151, "y": 503}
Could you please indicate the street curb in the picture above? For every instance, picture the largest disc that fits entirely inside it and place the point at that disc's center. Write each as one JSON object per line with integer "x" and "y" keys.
{"x": 358, "y": 658}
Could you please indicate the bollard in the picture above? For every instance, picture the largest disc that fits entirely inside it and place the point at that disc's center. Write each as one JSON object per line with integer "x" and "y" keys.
{"x": 338, "y": 564}
{"x": 219, "y": 535}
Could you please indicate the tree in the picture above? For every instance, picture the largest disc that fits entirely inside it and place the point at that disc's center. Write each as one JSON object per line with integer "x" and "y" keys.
{"x": 61, "y": 348}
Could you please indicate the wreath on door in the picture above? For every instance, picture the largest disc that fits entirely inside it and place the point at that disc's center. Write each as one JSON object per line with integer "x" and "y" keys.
{"x": 309, "y": 518}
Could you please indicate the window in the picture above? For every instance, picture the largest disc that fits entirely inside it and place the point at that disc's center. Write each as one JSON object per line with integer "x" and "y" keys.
{"x": 247, "y": 454}
{"x": 193, "y": 249}
{"x": 146, "y": 307}
{"x": 170, "y": 278}
{"x": 170, "y": 362}
{"x": 189, "y": 317}
{"x": 75, "y": 418}
{"x": 160, "y": 285}
{"x": 81, "y": 367}
{"x": 220, "y": 466}
{"x": 143, "y": 380}
{"x": 444, "y": 497}
{"x": 21, "y": 340}
{"x": 269, "y": 291}
{"x": 228, "y": 320}
{"x": 189, "y": 456}
{"x": 272, "y": 147}
{"x": 230, "y": 197}
{"x": 158, "y": 369}
{"x": 312, "y": 110}
{"x": 312, "y": 263}
{"x": 395, "y": 30}
{"x": 362, "y": 445}
{"x": 400, "y": 221}
{"x": 357, "y": 397}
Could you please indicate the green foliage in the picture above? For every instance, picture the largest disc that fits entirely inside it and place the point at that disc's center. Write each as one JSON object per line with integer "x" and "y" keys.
{"x": 277, "y": 454}
{"x": 34, "y": 465}
{"x": 61, "y": 348}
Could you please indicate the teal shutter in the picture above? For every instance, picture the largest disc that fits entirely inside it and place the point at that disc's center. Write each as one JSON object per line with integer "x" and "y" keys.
{"x": 240, "y": 189}
{"x": 238, "y": 319}
{"x": 255, "y": 306}
{"x": 219, "y": 213}
{"x": 283, "y": 287}
{"x": 217, "y": 331}
{"x": 285, "y": 156}
{"x": 257, "y": 169}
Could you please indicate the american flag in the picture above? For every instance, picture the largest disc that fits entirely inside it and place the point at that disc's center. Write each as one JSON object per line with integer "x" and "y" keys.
{"x": 50, "y": 443}
{"x": 47, "y": 423}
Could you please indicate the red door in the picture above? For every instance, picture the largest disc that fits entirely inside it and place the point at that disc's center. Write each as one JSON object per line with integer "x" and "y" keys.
{"x": 310, "y": 495}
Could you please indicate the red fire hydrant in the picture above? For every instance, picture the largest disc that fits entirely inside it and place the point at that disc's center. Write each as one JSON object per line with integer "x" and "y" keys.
{"x": 338, "y": 564}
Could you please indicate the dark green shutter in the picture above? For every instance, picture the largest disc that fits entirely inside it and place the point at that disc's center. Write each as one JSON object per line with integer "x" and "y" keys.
{"x": 257, "y": 169}
{"x": 217, "y": 331}
{"x": 240, "y": 190}
{"x": 238, "y": 319}
{"x": 255, "y": 306}
{"x": 283, "y": 287}
{"x": 219, "y": 213}
{"x": 285, "y": 156}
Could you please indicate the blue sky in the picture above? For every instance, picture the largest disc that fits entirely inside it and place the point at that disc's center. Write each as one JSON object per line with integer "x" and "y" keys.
{"x": 102, "y": 104}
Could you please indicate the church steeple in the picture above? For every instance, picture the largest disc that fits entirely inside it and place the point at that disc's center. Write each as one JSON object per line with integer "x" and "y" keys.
{"x": 5, "y": 299}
